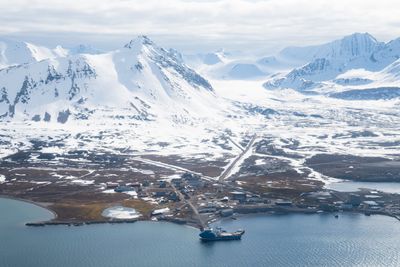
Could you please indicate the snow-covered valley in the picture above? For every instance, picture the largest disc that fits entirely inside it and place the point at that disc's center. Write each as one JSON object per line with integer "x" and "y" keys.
{"x": 143, "y": 99}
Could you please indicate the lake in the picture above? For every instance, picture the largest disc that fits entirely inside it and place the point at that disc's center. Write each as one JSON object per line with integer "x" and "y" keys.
{"x": 352, "y": 186}
{"x": 270, "y": 240}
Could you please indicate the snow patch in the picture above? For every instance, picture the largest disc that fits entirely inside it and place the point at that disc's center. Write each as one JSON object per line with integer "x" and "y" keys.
{"x": 83, "y": 182}
{"x": 131, "y": 193}
{"x": 109, "y": 191}
{"x": 160, "y": 211}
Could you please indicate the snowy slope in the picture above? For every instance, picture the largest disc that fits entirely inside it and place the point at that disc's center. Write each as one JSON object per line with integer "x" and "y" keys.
{"x": 222, "y": 65}
{"x": 234, "y": 70}
{"x": 390, "y": 74}
{"x": 388, "y": 53}
{"x": 244, "y": 71}
{"x": 364, "y": 85}
{"x": 15, "y": 52}
{"x": 140, "y": 80}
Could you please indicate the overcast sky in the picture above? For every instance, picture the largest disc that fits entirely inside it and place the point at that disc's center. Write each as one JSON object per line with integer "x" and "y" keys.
{"x": 191, "y": 25}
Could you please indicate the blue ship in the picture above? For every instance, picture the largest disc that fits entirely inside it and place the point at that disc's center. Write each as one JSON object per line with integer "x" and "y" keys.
{"x": 218, "y": 234}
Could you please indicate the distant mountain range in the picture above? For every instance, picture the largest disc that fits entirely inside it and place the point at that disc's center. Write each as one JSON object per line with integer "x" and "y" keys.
{"x": 301, "y": 68}
{"x": 144, "y": 81}
{"x": 357, "y": 61}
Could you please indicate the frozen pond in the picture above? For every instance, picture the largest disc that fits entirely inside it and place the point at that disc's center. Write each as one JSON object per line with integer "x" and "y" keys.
{"x": 120, "y": 212}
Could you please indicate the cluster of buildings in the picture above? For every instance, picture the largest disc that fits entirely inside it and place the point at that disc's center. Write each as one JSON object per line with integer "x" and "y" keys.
{"x": 213, "y": 200}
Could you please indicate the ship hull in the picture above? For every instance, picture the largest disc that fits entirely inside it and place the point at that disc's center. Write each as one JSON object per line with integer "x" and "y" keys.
{"x": 221, "y": 238}
{"x": 226, "y": 237}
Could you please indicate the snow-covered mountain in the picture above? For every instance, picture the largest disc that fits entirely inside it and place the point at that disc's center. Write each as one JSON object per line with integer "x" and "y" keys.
{"x": 391, "y": 73}
{"x": 234, "y": 70}
{"x": 387, "y": 53}
{"x": 140, "y": 80}
{"x": 360, "y": 84}
{"x": 273, "y": 64}
{"x": 326, "y": 62}
{"x": 351, "y": 46}
{"x": 14, "y": 52}
{"x": 223, "y": 65}
{"x": 208, "y": 59}
{"x": 143, "y": 81}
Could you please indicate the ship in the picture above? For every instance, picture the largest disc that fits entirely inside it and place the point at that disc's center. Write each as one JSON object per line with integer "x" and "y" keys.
{"x": 218, "y": 234}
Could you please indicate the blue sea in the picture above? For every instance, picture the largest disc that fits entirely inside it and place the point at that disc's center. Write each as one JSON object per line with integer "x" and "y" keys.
{"x": 270, "y": 240}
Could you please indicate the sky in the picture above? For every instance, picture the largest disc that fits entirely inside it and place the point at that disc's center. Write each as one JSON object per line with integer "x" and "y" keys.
{"x": 253, "y": 26}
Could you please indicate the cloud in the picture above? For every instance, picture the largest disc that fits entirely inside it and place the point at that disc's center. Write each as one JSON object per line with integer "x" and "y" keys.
{"x": 190, "y": 24}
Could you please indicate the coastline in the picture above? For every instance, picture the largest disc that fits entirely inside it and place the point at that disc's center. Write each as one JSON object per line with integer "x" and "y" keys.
{"x": 54, "y": 221}
{"x": 270, "y": 212}
{"x": 55, "y": 215}
{"x": 104, "y": 245}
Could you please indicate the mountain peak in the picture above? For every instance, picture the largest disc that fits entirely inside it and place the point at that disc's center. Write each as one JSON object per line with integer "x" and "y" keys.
{"x": 354, "y": 45}
{"x": 360, "y": 37}
{"x": 139, "y": 40}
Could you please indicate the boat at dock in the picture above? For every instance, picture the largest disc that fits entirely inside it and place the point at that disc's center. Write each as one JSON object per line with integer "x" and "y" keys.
{"x": 218, "y": 234}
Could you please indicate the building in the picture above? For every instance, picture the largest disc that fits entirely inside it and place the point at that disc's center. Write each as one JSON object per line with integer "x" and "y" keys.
{"x": 209, "y": 195}
{"x": 240, "y": 196}
{"x": 225, "y": 199}
{"x": 177, "y": 182}
{"x": 207, "y": 210}
{"x": 226, "y": 212}
{"x": 193, "y": 180}
{"x": 123, "y": 188}
{"x": 354, "y": 200}
{"x": 327, "y": 207}
{"x": 137, "y": 186}
{"x": 162, "y": 184}
{"x": 255, "y": 199}
{"x": 370, "y": 204}
{"x": 160, "y": 193}
{"x": 173, "y": 197}
{"x": 286, "y": 203}
{"x": 346, "y": 206}
{"x": 146, "y": 183}
{"x": 112, "y": 185}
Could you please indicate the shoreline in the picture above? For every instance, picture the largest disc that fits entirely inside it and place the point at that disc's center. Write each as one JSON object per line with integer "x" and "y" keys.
{"x": 54, "y": 221}
{"x": 55, "y": 215}
{"x": 272, "y": 212}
